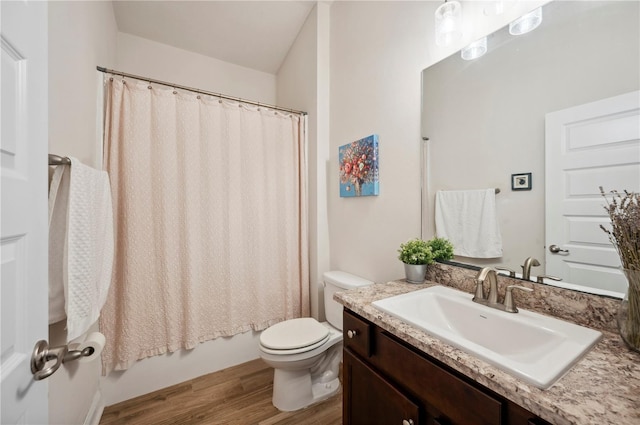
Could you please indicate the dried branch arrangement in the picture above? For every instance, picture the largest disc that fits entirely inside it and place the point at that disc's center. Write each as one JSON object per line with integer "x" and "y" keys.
{"x": 624, "y": 211}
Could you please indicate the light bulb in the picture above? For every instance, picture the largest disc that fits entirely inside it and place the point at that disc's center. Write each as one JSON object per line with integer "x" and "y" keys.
{"x": 526, "y": 23}
{"x": 474, "y": 50}
{"x": 448, "y": 19}
{"x": 495, "y": 8}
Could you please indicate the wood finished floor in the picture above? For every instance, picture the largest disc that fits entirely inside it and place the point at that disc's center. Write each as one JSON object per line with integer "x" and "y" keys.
{"x": 240, "y": 395}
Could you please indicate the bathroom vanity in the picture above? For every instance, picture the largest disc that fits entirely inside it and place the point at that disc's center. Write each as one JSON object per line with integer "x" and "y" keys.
{"x": 395, "y": 373}
{"x": 387, "y": 381}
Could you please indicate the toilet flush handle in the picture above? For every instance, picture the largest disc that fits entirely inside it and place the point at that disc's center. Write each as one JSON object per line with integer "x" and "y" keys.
{"x": 352, "y": 333}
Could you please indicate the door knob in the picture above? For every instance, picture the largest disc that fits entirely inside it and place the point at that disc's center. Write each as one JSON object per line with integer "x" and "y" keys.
{"x": 555, "y": 249}
{"x": 352, "y": 333}
{"x": 43, "y": 354}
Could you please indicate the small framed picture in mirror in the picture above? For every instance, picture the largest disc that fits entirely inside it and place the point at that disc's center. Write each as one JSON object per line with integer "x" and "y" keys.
{"x": 521, "y": 181}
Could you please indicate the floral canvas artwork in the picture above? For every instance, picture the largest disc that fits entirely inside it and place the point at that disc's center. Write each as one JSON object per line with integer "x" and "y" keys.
{"x": 359, "y": 167}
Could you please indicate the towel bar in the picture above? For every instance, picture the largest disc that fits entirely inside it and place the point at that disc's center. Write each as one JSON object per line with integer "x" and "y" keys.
{"x": 58, "y": 160}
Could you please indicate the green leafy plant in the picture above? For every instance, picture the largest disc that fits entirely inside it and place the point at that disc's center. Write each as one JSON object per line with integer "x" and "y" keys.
{"x": 441, "y": 248}
{"x": 416, "y": 251}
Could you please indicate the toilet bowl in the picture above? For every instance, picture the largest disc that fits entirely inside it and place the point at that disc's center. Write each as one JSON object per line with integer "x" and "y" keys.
{"x": 305, "y": 353}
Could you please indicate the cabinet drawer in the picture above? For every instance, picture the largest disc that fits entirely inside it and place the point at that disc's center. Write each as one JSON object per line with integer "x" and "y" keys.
{"x": 357, "y": 334}
{"x": 460, "y": 402}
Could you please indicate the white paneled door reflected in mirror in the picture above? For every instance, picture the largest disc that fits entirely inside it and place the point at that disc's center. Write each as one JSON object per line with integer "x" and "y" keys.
{"x": 487, "y": 119}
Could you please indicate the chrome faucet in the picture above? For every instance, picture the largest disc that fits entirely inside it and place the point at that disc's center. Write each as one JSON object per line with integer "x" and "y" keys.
{"x": 526, "y": 268}
{"x": 490, "y": 274}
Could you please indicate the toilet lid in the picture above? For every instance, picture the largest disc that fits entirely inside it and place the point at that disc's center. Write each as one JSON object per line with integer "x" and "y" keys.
{"x": 294, "y": 333}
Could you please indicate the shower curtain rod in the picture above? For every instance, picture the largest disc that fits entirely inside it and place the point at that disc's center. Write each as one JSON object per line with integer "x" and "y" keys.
{"x": 191, "y": 89}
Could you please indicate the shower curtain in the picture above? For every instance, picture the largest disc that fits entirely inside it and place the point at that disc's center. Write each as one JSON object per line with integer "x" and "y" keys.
{"x": 210, "y": 216}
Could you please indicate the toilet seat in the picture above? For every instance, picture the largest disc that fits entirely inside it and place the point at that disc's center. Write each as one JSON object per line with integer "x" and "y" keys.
{"x": 294, "y": 336}
{"x": 294, "y": 350}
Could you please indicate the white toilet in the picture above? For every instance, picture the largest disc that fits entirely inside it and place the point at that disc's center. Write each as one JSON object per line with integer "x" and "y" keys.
{"x": 305, "y": 353}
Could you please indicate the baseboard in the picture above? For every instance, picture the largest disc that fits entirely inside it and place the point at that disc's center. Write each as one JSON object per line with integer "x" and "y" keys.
{"x": 95, "y": 411}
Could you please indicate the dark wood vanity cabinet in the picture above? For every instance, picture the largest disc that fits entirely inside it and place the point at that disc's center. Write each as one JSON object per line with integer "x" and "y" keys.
{"x": 372, "y": 399}
{"x": 386, "y": 382}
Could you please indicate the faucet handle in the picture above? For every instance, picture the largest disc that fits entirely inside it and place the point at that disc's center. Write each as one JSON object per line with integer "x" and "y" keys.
{"x": 479, "y": 295}
{"x": 512, "y": 273}
{"x": 540, "y": 279}
{"x": 508, "y": 297}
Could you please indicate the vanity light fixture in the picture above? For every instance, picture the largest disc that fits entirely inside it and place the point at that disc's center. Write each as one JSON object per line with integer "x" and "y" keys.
{"x": 474, "y": 50}
{"x": 494, "y": 8}
{"x": 448, "y": 18}
{"x": 526, "y": 23}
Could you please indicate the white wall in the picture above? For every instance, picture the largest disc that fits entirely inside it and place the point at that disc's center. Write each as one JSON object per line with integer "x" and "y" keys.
{"x": 303, "y": 84}
{"x": 147, "y": 58}
{"x": 378, "y": 51}
{"x": 81, "y": 36}
{"x": 143, "y": 57}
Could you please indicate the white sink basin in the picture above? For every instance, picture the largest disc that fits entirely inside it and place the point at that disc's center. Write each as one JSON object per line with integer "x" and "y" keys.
{"x": 538, "y": 349}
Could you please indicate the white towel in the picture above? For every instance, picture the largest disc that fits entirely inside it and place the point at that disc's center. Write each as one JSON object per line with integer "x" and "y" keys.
{"x": 468, "y": 219}
{"x": 58, "y": 202}
{"x": 83, "y": 259}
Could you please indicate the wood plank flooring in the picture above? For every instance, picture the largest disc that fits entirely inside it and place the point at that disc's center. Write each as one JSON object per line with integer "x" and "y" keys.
{"x": 240, "y": 395}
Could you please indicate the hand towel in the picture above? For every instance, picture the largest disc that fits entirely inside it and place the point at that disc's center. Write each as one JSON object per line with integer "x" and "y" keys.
{"x": 469, "y": 220}
{"x": 84, "y": 261}
{"x": 58, "y": 202}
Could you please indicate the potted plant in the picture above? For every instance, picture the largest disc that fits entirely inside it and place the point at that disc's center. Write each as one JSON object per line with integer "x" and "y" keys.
{"x": 416, "y": 254}
{"x": 441, "y": 248}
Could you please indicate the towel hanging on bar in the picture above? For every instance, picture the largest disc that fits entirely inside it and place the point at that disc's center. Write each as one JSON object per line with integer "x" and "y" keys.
{"x": 468, "y": 218}
{"x": 80, "y": 245}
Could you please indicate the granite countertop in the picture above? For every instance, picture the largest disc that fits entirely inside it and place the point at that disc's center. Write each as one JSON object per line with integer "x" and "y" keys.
{"x": 602, "y": 388}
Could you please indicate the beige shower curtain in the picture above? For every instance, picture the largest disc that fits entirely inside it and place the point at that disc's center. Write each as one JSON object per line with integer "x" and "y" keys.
{"x": 210, "y": 216}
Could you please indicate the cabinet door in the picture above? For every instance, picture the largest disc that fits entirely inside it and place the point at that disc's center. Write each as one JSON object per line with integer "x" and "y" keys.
{"x": 370, "y": 400}
{"x": 519, "y": 416}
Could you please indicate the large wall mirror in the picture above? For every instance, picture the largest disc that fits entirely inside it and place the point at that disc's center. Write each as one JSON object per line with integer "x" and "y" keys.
{"x": 485, "y": 118}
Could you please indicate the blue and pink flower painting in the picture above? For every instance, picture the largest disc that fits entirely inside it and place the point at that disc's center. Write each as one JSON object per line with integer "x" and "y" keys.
{"x": 359, "y": 167}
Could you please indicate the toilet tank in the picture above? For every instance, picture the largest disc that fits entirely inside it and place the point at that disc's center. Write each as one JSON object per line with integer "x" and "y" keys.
{"x": 336, "y": 281}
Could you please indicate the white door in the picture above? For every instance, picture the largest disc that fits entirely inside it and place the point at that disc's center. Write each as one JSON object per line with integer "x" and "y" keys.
{"x": 23, "y": 208}
{"x": 588, "y": 146}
